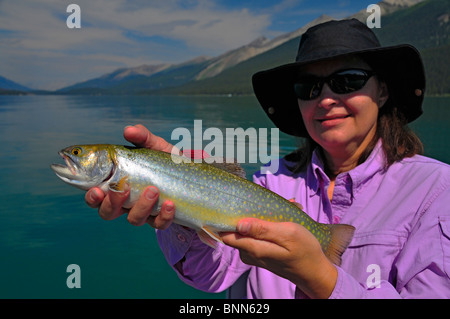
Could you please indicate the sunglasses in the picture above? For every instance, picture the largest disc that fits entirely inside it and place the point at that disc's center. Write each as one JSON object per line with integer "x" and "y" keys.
{"x": 346, "y": 81}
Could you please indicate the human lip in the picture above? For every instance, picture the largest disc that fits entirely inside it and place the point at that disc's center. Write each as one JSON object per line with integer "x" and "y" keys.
{"x": 331, "y": 117}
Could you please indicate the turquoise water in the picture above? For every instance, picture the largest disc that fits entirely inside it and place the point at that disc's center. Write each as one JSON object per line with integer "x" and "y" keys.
{"x": 46, "y": 226}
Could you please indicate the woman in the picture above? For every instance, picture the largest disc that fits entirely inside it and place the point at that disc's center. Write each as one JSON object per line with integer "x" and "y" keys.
{"x": 351, "y": 99}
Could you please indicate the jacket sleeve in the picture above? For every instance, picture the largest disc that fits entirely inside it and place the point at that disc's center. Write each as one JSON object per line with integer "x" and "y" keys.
{"x": 198, "y": 265}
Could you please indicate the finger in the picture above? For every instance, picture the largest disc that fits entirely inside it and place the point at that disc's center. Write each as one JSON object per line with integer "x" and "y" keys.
{"x": 232, "y": 239}
{"x": 140, "y": 136}
{"x": 94, "y": 197}
{"x": 249, "y": 235}
{"x": 251, "y": 251}
{"x": 165, "y": 218}
{"x": 111, "y": 206}
{"x": 140, "y": 212}
{"x": 263, "y": 230}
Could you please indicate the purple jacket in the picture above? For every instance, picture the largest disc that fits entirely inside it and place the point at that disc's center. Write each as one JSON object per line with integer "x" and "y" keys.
{"x": 401, "y": 247}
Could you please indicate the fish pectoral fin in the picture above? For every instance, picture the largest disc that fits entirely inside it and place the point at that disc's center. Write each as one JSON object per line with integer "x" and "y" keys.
{"x": 209, "y": 236}
{"x": 119, "y": 187}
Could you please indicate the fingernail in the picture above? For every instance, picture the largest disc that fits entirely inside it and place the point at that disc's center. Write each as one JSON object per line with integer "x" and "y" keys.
{"x": 169, "y": 208}
{"x": 151, "y": 193}
{"x": 243, "y": 228}
{"x": 93, "y": 195}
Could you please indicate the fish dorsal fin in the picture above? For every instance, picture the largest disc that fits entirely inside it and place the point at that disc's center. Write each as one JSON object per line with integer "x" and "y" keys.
{"x": 229, "y": 165}
{"x": 226, "y": 164}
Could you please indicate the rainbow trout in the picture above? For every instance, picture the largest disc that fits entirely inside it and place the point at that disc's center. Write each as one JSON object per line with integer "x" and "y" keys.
{"x": 207, "y": 198}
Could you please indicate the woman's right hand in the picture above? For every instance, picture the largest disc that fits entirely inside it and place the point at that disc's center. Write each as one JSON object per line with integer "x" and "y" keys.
{"x": 110, "y": 204}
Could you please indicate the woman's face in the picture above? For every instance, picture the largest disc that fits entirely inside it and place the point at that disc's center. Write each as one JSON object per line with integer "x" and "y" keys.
{"x": 342, "y": 122}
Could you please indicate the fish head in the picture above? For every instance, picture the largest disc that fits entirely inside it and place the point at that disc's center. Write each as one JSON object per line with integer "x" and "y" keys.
{"x": 86, "y": 165}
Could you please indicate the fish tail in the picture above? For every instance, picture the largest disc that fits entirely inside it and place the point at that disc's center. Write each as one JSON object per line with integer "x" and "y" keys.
{"x": 341, "y": 236}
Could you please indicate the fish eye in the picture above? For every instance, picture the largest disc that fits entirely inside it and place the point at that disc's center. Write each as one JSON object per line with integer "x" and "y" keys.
{"x": 76, "y": 151}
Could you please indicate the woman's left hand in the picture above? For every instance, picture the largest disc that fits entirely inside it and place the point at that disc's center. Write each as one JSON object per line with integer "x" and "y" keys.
{"x": 287, "y": 249}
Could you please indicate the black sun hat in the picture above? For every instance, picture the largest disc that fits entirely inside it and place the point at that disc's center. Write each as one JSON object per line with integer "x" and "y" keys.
{"x": 399, "y": 66}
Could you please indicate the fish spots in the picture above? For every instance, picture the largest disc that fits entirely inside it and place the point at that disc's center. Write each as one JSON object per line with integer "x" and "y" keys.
{"x": 202, "y": 193}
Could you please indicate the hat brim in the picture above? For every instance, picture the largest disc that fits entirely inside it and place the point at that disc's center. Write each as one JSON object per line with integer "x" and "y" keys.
{"x": 400, "y": 66}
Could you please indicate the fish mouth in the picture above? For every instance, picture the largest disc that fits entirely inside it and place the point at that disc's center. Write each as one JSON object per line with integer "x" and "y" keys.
{"x": 70, "y": 171}
{"x": 75, "y": 175}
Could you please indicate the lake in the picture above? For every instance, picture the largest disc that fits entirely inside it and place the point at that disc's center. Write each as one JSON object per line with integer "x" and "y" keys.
{"x": 45, "y": 225}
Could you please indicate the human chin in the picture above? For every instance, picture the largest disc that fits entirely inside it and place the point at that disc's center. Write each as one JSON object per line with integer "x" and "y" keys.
{"x": 335, "y": 135}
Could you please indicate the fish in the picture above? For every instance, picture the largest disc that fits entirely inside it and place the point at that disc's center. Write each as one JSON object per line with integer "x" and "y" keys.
{"x": 210, "y": 197}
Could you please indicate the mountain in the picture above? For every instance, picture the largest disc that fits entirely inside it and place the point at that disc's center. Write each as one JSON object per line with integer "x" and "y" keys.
{"x": 117, "y": 77}
{"x": 8, "y": 85}
{"x": 424, "y": 24}
{"x": 237, "y": 79}
{"x": 387, "y": 7}
{"x": 172, "y": 76}
{"x": 256, "y": 47}
{"x": 149, "y": 77}
{"x": 155, "y": 77}
{"x": 164, "y": 76}
{"x": 427, "y": 27}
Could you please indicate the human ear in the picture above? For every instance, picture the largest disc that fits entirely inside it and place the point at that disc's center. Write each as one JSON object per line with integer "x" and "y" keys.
{"x": 383, "y": 94}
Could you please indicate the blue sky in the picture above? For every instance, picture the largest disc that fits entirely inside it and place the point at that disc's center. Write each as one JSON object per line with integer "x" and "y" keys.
{"x": 38, "y": 50}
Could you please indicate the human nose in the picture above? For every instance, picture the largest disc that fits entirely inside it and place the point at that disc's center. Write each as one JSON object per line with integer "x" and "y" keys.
{"x": 327, "y": 97}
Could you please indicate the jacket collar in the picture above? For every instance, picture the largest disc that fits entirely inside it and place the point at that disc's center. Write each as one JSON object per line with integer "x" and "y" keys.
{"x": 359, "y": 175}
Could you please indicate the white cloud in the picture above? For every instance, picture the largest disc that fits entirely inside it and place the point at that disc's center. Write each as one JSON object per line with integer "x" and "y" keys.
{"x": 129, "y": 33}
{"x": 202, "y": 25}
{"x": 41, "y": 24}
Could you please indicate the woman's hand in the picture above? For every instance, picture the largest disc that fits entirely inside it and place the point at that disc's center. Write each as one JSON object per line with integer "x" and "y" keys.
{"x": 288, "y": 250}
{"x": 110, "y": 205}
